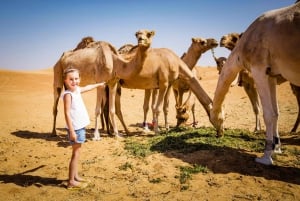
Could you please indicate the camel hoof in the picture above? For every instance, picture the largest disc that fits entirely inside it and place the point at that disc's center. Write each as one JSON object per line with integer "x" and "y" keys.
{"x": 265, "y": 160}
{"x": 96, "y": 138}
{"x": 146, "y": 130}
{"x": 277, "y": 149}
{"x": 120, "y": 136}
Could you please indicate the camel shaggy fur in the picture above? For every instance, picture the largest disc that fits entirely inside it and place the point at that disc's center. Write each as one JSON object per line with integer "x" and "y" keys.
{"x": 245, "y": 79}
{"x": 269, "y": 48}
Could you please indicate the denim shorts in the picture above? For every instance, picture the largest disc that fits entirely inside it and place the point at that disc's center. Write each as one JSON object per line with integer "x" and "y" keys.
{"x": 80, "y": 133}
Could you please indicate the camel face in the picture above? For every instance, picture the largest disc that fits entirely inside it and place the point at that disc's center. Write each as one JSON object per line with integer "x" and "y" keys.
{"x": 182, "y": 114}
{"x": 220, "y": 63}
{"x": 144, "y": 37}
{"x": 229, "y": 41}
{"x": 202, "y": 44}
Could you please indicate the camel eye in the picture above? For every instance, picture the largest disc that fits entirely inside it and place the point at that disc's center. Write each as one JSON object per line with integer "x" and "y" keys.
{"x": 234, "y": 39}
{"x": 202, "y": 42}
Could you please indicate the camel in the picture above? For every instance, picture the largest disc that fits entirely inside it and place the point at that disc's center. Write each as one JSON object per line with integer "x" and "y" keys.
{"x": 245, "y": 79}
{"x": 180, "y": 86}
{"x": 269, "y": 49}
{"x": 196, "y": 49}
{"x": 160, "y": 69}
{"x": 94, "y": 66}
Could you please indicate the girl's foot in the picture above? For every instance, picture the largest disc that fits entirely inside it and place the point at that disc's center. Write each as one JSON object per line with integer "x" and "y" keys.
{"x": 78, "y": 186}
{"x": 83, "y": 180}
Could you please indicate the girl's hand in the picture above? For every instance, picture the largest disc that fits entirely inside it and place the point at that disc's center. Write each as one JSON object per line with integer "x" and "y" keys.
{"x": 73, "y": 137}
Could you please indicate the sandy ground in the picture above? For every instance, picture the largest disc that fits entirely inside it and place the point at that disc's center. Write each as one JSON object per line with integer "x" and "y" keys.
{"x": 34, "y": 166}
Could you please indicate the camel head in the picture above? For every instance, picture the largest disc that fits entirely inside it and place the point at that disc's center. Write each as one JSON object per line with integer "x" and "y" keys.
{"x": 220, "y": 63}
{"x": 144, "y": 37}
{"x": 84, "y": 42}
{"x": 202, "y": 45}
{"x": 182, "y": 114}
{"x": 229, "y": 40}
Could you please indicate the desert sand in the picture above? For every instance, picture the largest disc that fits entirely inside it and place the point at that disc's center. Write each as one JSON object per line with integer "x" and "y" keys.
{"x": 34, "y": 166}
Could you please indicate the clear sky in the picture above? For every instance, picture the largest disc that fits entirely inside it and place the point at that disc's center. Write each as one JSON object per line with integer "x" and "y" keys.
{"x": 35, "y": 33}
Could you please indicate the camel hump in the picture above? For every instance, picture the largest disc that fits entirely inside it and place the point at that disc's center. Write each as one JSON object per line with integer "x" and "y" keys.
{"x": 84, "y": 42}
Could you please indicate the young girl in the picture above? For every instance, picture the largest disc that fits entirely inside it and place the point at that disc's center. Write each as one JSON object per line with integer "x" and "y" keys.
{"x": 77, "y": 119}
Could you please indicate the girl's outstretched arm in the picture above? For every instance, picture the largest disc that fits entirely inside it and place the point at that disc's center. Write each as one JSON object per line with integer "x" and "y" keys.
{"x": 92, "y": 86}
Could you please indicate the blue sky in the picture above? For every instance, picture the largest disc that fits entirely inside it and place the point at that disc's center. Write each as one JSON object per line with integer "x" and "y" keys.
{"x": 35, "y": 33}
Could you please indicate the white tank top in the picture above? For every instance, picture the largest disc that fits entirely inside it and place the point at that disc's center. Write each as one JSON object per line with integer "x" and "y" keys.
{"x": 79, "y": 114}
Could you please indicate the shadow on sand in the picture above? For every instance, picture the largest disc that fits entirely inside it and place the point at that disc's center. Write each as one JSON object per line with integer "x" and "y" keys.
{"x": 222, "y": 159}
{"x": 24, "y": 180}
{"x": 61, "y": 138}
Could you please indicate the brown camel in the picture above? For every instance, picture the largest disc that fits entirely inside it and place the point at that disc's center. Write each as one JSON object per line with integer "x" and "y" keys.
{"x": 197, "y": 48}
{"x": 269, "y": 48}
{"x": 245, "y": 79}
{"x": 95, "y": 65}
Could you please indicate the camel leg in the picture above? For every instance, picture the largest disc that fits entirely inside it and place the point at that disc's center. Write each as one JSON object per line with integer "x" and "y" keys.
{"x": 101, "y": 99}
{"x": 266, "y": 87}
{"x": 153, "y": 104}
{"x": 158, "y": 108}
{"x": 166, "y": 107}
{"x": 112, "y": 108}
{"x": 57, "y": 93}
{"x": 146, "y": 108}
{"x": 226, "y": 77}
{"x": 118, "y": 109}
{"x": 175, "y": 92}
{"x": 253, "y": 96}
{"x": 192, "y": 102}
{"x": 105, "y": 113}
{"x": 296, "y": 91}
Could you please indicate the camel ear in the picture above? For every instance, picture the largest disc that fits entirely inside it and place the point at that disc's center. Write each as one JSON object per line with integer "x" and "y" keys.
{"x": 152, "y": 33}
{"x": 193, "y": 40}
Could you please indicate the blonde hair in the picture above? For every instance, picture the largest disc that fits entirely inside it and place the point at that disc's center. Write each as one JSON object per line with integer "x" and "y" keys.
{"x": 67, "y": 71}
{"x": 70, "y": 70}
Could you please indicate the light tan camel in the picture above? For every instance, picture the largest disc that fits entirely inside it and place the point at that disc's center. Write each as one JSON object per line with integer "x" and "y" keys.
{"x": 166, "y": 66}
{"x": 196, "y": 49}
{"x": 268, "y": 48}
{"x": 245, "y": 79}
{"x": 180, "y": 86}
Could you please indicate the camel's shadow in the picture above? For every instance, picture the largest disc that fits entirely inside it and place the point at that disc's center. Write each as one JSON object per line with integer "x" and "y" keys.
{"x": 24, "y": 180}
{"x": 26, "y": 134}
{"x": 223, "y": 159}
{"x": 61, "y": 138}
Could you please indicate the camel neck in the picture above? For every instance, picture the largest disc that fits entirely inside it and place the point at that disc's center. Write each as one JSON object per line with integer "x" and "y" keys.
{"x": 191, "y": 57}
